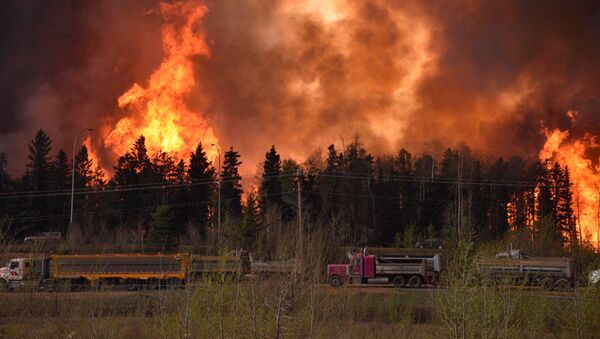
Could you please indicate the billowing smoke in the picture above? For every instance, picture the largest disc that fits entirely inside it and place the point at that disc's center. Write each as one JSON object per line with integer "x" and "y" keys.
{"x": 304, "y": 74}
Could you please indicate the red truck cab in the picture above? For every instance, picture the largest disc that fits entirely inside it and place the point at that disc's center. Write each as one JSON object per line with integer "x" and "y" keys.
{"x": 401, "y": 270}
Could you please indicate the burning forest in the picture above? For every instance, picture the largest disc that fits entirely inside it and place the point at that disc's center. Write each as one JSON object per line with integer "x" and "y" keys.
{"x": 276, "y": 135}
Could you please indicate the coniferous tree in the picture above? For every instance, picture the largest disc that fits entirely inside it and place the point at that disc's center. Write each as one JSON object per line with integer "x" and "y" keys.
{"x": 250, "y": 222}
{"x": 201, "y": 175}
{"x": 39, "y": 161}
{"x": 270, "y": 187}
{"x": 5, "y": 187}
{"x": 406, "y": 186}
{"x": 60, "y": 180}
{"x": 565, "y": 215}
{"x": 134, "y": 169}
{"x": 61, "y": 171}
{"x": 84, "y": 169}
{"x": 231, "y": 185}
{"x": 328, "y": 183}
{"x": 38, "y": 178}
{"x": 162, "y": 233}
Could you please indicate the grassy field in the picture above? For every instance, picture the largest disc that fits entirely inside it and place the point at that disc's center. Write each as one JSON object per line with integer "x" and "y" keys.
{"x": 281, "y": 308}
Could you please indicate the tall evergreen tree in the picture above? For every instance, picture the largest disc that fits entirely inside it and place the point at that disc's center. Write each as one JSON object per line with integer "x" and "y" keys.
{"x": 162, "y": 234}
{"x": 201, "y": 175}
{"x": 37, "y": 210}
{"x": 566, "y": 219}
{"x": 134, "y": 169}
{"x": 270, "y": 187}
{"x": 84, "y": 168}
{"x": 250, "y": 222}
{"x": 60, "y": 180}
{"x": 231, "y": 185}
{"x": 39, "y": 161}
{"x": 61, "y": 171}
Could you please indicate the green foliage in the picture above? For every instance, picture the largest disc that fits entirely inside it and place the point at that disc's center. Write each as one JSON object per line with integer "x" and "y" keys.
{"x": 231, "y": 185}
{"x": 201, "y": 175}
{"x": 162, "y": 233}
{"x": 270, "y": 187}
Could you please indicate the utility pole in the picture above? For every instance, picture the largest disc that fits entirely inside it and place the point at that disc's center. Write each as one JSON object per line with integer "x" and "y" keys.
{"x": 597, "y": 218}
{"x": 300, "y": 230}
{"x": 219, "y": 197}
{"x": 432, "y": 164}
{"x": 73, "y": 171}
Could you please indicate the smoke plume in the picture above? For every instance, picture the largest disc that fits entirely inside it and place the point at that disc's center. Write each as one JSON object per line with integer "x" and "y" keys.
{"x": 304, "y": 74}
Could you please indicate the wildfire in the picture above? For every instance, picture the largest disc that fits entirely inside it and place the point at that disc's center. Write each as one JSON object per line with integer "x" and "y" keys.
{"x": 159, "y": 111}
{"x": 584, "y": 176}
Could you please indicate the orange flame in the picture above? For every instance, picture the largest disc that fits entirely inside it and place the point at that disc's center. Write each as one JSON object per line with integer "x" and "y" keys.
{"x": 159, "y": 111}
{"x": 585, "y": 177}
{"x": 93, "y": 155}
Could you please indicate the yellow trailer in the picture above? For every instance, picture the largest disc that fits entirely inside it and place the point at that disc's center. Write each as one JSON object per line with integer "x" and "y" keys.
{"x": 132, "y": 270}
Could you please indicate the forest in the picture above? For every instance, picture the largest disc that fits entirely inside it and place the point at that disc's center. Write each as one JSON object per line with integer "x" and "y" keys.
{"x": 356, "y": 197}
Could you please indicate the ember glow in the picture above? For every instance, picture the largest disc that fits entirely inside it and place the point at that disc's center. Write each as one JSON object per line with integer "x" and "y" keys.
{"x": 158, "y": 111}
{"x": 585, "y": 176}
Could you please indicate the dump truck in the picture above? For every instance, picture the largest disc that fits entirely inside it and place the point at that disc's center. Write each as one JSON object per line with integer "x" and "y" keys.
{"x": 402, "y": 270}
{"x": 516, "y": 267}
{"x": 274, "y": 267}
{"x": 235, "y": 265}
{"x": 78, "y": 271}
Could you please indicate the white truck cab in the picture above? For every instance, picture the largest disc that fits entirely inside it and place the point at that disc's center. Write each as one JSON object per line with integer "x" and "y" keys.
{"x": 24, "y": 271}
{"x": 13, "y": 274}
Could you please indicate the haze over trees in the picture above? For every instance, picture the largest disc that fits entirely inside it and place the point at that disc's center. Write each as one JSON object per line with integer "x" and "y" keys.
{"x": 388, "y": 200}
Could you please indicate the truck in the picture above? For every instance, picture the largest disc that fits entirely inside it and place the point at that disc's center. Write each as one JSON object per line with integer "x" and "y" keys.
{"x": 87, "y": 270}
{"x": 235, "y": 265}
{"x": 401, "y": 270}
{"x": 516, "y": 267}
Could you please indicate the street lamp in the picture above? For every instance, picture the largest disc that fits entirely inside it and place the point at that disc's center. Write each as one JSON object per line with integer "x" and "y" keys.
{"x": 219, "y": 199}
{"x": 73, "y": 169}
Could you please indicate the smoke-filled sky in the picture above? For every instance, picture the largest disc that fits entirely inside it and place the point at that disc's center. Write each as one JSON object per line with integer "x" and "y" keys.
{"x": 305, "y": 74}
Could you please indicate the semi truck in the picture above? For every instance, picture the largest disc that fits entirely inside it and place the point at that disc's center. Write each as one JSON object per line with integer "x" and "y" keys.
{"x": 134, "y": 271}
{"x": 516, "y": 267}
{"x": 78, "y": 271}
{"x": 402, "y": 270}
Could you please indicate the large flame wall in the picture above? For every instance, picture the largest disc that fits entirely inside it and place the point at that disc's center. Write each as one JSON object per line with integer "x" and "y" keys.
{"x": 299, "y": 74}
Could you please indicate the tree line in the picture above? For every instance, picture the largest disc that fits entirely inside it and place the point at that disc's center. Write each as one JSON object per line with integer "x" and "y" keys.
{"x": 389, "y": 200}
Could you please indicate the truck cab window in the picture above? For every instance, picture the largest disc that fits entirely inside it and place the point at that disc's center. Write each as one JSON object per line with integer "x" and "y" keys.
{"x": 13, "y": 265}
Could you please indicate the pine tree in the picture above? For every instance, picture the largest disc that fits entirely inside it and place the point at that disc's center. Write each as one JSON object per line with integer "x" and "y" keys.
{"x": 60, "y": 180}
{"x": 201, "y": 175}
{"x": 565, "y": 214}
{"x": 250, "y": 222}
{"x": 84, "y": 169}
{"x": 61, "y": 171}
{"x": 162, "y": 234}
{"x": 270, "y": 187}
{"x": 5, "y": 186}
{"x": 407, "y": 187}
{"x": 133, "y": 169}
{"x": 39, "y": 161}
{"x": 37, "y": 178}
{"x": 231, "y": 186}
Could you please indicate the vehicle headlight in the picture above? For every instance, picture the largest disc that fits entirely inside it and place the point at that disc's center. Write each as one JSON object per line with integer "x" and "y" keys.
{"x": 594, "y": 277}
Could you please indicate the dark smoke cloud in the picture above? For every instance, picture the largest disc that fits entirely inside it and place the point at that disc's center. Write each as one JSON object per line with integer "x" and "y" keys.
{"x": 282, "y": 75}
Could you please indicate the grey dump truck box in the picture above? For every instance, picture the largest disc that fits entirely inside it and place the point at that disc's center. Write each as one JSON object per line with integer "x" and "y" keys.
{"x": 70, "y": 266}
{"x": 400, "y": 265}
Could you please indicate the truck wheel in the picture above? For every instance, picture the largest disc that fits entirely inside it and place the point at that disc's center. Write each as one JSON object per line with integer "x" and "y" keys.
{"x": 4, "y": 287}
{"x": 335, "y": 281}
{"x": 399, "y": 281}
{"x": 415, "y": 282}
{"x": 547, "y": 284}
{"x": 131, "y": 285}
{"x": 48, "y": 285}
{"x": 562, "y": 285}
